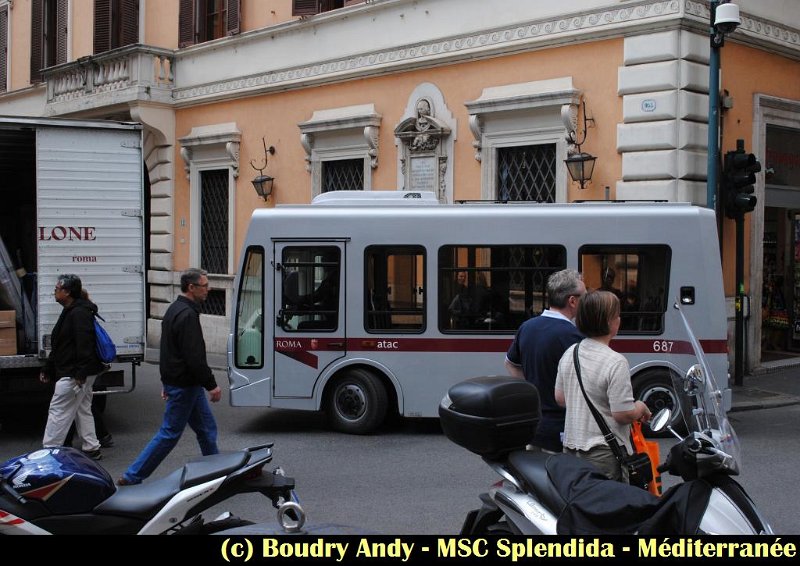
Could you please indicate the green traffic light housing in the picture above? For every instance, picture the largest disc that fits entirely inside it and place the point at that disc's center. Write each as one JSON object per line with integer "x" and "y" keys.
{"x": 738, "y": 179}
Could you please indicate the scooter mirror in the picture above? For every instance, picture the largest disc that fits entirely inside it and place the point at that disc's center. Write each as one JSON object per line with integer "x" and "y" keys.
{"x": 660, "y": 420}
{"x": 695, "y": 380}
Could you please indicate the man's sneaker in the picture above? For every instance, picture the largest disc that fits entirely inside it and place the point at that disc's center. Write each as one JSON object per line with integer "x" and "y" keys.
{"x": 123, "y": 481}
{"x": 93, "y": 454}
{"x": 107, "y": 441}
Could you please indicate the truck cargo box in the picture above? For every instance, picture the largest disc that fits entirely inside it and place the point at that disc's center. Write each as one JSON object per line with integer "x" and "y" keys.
{"x": 73, "y": 195}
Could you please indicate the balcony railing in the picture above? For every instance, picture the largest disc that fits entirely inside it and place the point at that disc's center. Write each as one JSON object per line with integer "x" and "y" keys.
{"x": 134, "y": 72}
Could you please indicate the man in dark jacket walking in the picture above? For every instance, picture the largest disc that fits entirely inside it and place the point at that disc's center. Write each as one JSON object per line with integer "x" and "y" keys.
{"x": 186, "y": 377}
{"x": 74, "y": 365}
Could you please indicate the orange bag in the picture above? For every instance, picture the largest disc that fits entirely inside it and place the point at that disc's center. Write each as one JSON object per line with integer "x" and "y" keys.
{"x": 640, "y": 445}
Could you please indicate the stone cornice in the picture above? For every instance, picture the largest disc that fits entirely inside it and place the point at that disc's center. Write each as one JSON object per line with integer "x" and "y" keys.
{"x": 534, "y": 34}
{"x": 521, "y": 37}
{"x": 754, "y": 31}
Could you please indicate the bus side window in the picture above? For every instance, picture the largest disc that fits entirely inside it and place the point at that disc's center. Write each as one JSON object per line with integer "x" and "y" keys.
{"x": 494, "y": 289}
{"x": 310, "y": 288}
{"x": 394, "y": 296}
{"x": 637, "y": 275}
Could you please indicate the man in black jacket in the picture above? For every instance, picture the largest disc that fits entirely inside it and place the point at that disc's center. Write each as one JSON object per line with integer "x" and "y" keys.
{"x": 73, "y": 364}
{"x": 186, "y": 377}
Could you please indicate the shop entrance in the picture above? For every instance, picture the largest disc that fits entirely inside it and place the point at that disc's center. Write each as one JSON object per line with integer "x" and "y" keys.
{"x": 780, "y": 302}
{"x": 779, "y": 337}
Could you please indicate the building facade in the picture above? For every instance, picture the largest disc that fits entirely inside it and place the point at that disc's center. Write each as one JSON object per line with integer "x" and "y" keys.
{"x": 466, "y": 98}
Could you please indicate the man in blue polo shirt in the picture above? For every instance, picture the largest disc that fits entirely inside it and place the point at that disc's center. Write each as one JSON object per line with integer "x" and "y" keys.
{"x": 538, "y": 346}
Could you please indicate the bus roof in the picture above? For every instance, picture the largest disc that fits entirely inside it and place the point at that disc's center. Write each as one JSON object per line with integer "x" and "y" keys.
{"x": 375, "y": 198}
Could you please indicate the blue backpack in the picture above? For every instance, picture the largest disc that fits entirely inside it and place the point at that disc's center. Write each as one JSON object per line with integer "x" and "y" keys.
{"x": 106, "y": 350}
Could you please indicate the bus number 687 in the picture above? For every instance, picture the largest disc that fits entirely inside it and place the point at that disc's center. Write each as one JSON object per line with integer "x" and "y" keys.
{"x": 662, "y": 346}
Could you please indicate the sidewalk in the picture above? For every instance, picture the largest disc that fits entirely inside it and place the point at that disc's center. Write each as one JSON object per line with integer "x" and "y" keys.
{"x": 774, "y": 384}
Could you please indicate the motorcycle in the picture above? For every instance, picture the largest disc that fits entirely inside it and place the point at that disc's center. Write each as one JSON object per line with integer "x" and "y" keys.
{"x": 495, "y": 417}
{"x": 62, "y": 491}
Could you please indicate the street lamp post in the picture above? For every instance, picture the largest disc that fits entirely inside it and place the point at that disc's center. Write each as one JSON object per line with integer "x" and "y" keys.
{"x": 713, "y": 111}
{"x": 724, "y": 18}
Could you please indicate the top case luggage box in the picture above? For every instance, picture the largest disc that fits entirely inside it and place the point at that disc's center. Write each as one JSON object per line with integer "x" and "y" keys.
{"x": 491, "y": 416}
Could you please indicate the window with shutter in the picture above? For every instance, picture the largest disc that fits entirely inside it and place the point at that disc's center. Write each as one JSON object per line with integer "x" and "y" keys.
{"x": 3, "y": 48}
{"x": 129, "y": 22}
{"x": 311, "y": 7}
{"x": 234, "y": 17}
{"x": 305, "y": 7}
{"x": 186, "y": 23}
{"x": 328, "y": 5}
{"x": 48, "y": 35}
{"x": 60, "y": 32}
{"x": 204, "y": 20}
{"x": 102, "y": 25}
{"x": 37, "y": 7}
{"x": 116, "y": 24}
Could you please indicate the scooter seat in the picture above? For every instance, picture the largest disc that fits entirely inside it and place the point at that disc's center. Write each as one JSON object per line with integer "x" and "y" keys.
{"x": 144, "y": 500}
{"x": 531, "y": 468}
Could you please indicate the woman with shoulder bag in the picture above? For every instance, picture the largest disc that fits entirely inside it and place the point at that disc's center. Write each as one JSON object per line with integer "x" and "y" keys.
{"x": 605, "y": 382}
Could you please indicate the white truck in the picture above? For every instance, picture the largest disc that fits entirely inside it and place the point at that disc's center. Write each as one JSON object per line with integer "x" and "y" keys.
{"x": 72, "y": 202}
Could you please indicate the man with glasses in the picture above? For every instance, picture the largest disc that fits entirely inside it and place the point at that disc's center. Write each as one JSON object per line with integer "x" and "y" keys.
{"x": 186, "y": 378}
{"x": 73, "y": 365}
{"x": 538, "y": 346}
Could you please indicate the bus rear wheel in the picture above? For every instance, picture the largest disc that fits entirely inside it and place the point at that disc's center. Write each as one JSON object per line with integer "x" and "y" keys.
{"x": 655, "y": 389}
{"x": 357, "y": 402}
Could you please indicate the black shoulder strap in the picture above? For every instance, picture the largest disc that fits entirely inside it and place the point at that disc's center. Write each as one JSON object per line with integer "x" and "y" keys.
{"x": 609, "y": 437}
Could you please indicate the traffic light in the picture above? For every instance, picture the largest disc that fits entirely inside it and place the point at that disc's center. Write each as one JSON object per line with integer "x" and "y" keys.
{"x": 738, "y": 176}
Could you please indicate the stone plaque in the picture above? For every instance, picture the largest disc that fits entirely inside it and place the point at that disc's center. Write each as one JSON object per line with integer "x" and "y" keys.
{"x": 423, "y": 174}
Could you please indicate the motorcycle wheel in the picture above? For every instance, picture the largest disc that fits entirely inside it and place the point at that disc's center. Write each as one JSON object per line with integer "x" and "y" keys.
{"x": 654, "y": 388}
{"x": 357, "y": 402}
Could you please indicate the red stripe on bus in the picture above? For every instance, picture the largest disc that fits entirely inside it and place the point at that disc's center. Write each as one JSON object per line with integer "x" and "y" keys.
{"x": 305, "y": 358}
{"x": 302, "y": 349}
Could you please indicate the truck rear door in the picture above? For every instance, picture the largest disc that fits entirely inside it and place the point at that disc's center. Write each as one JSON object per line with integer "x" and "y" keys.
{"x": 90, "y": 222}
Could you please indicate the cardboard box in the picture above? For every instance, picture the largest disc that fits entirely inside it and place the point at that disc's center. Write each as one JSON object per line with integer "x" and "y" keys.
{"x": 8, "y": 344}
{"x": 8, "y": 333}
{"x": 8, "y": 319}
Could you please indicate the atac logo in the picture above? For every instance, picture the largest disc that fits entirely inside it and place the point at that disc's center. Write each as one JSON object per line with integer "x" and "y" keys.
{"x": 283, "y": 345}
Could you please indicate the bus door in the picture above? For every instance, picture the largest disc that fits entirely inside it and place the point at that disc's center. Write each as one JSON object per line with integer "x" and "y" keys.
{"x": 309, "y": 313}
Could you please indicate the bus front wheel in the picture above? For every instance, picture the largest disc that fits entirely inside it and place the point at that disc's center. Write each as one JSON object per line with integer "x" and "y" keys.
{"x": 654, "y": 387}
{"x": 357, "y": 402}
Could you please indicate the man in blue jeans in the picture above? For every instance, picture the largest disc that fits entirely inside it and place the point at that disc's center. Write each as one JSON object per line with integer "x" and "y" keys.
{"x": 186, "y": 378}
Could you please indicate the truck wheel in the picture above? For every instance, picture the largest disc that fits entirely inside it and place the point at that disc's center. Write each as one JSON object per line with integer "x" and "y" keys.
{"x": 655, "y": 388}
{"x": 357, "y": 402}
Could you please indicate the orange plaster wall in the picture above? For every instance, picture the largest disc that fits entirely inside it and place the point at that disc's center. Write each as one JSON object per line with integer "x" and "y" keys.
{"x": 82, "y": 28}
{"x": 161, "y": 23}
{"x": 745, "y": 72}
{"x": 257, "y": 15}
{"x": 276, "y": 117}
{"x": 20, "y": 45}
{"x": 261, "y": 13}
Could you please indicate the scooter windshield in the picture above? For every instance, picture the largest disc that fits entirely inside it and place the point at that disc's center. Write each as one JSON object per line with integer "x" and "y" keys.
{"x": 702, "y": 394}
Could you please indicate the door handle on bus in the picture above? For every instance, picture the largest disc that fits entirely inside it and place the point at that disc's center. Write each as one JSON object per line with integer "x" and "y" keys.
{"x": 336, "y": 345}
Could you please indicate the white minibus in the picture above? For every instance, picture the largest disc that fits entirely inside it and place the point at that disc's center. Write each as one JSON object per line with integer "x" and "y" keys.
{"x": 360, "y": 305}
